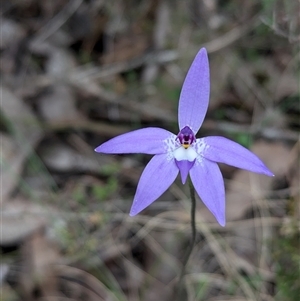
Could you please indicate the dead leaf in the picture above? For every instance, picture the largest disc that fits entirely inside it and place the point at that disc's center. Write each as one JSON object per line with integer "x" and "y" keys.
{"x": 11, "y": 32}
{"x": 62, "y": 158}
{"x": 19, "y": 219}
{"x": 39, "y": 257}
{"x": 59, "y": 105}
{"x": 60, "y": 63}
{"x": 25, "y": 131}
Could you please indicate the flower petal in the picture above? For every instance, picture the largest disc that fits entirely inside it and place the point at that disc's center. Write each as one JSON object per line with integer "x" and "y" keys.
{"x": 223, "y": 150}
{"x": 194, "y": 96}
{"x": 147, "y": 141}
{"x": 156, "y": 178}
{"x": 209, "y": 184}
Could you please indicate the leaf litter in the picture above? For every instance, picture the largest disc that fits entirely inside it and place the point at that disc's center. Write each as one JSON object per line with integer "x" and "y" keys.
{"x": 76, "y": 73}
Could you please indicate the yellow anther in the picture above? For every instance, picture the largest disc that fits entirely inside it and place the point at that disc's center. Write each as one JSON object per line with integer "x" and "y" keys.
{"x": 186, "y": 145}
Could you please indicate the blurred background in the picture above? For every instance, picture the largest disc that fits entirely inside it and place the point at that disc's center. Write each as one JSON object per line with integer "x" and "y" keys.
{"x": 75, "y": 73}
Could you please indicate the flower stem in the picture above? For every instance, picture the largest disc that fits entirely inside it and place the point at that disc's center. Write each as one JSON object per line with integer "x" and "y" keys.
{"x": 192, "y": 242}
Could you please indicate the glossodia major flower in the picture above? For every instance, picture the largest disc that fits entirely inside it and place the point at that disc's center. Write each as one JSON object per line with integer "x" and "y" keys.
{"x": 183, "y": 152}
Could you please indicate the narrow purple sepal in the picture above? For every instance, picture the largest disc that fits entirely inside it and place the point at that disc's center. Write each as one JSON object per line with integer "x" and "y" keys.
{"x": 194, "y": 96}
{"x": 156, "y": 178}
{"x": 223, "y": 150}
{"x": 208, "y": 182}
{"x": 146, "y": 141}
{"x": 184, "y": 167}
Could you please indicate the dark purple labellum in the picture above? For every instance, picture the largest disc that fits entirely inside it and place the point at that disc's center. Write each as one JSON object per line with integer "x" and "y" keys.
{"x": 186, "y": 137}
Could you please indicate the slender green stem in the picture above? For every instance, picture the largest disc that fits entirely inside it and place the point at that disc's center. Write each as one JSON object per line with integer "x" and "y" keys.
{"x": 192, "y": 243}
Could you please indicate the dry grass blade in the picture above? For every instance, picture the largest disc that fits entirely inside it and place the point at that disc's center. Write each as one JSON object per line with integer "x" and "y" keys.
{"x": 95, "y": 289}
{"x": 226, "y": 259}
{"x": 57, "y": 21}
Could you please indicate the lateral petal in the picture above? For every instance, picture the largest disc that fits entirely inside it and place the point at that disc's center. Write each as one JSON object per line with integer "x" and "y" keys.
{"x": 223, "y": 150}
{"x": 208, "y": 182}
{"x": 156, "y": 178}
{"x": 147, "y": 141}
{"x": 194, "y": 96}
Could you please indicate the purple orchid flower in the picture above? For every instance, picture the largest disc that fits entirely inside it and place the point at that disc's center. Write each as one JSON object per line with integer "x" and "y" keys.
{"x": 185, "y": 153}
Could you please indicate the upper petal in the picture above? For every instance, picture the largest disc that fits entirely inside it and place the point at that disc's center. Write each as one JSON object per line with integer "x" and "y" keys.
{"x": 156, "y": 178}
{"x": 148, "y": 141}
{"x": 208, "y": 182}
{"x": 194, "y": 96}
{"x": 223, "y": 150}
